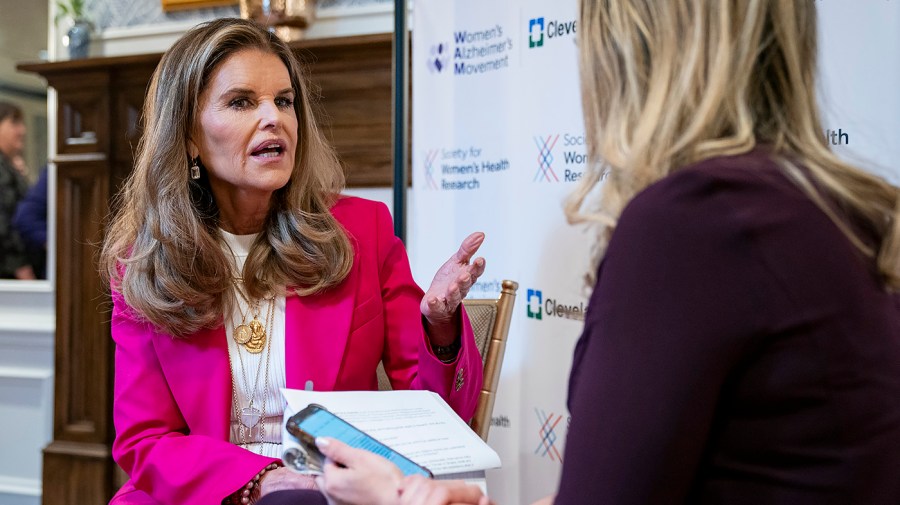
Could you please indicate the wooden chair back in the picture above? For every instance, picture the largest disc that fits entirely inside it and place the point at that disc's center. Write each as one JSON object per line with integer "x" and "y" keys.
{"x": 490, "y": 319}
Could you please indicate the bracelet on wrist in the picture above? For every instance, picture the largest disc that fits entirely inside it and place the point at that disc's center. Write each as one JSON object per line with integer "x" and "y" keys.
{"x": 447, "y": 353}
{"x": 248, "y": 494}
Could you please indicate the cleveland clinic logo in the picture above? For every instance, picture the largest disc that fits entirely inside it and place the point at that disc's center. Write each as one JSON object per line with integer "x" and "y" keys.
{"x": 537, "y": 306}
{"x": 538, "y": 29}
{"x": 545, "y": 147}
{"x": 439, "y": 57}
{"x": 535, "y": 32}
{"x": 547, "y": 446}
{"x": 534, "y": 302}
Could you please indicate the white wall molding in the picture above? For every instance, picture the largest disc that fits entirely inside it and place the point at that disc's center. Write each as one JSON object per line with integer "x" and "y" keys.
{"x": 26, "y": 427}
{"x": 138, "y": 39}
{"x": 157, "y": 38}
{"x": 347, "y": 21}
{"x": 25, "y": 373}
{"x": 21, "y": 487}
{"x": 27, "y": 328}
{"x": 26, "y": 288}
{"x": 12, "y": 324}
{"x": 26, "y": 307}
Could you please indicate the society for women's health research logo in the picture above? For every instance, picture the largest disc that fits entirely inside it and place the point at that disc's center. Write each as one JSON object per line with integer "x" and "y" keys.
{"x": 573, "y": 158}
{"x": 430, "y": 156}
{"x": 547, "y": 435}
{"x": 545, "y": 172}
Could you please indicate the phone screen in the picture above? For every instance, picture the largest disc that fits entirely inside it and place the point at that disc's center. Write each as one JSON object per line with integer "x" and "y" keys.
{"x": 322, "y": 423}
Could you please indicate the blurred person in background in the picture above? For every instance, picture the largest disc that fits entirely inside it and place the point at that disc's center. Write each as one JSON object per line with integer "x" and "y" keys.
{"x": 14, "y": 260}
{"x": 30, "y": 221}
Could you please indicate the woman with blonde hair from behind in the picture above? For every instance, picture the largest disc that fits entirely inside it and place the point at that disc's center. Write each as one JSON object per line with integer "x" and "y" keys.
{"x": 742, "y": 341}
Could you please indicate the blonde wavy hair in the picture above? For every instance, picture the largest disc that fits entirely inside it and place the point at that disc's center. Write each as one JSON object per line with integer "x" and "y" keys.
{"x": 666, "y": 84}
{"x": 163, "y": 250}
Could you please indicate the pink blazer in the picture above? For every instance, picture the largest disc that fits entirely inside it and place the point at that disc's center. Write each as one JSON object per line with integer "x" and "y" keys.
{"x": 172, "y": 399}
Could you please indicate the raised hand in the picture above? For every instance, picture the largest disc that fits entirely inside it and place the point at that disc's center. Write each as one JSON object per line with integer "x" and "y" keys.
{"x": 450, "y": 285}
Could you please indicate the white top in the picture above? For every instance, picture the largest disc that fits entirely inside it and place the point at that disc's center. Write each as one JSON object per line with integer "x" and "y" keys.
{"x": 248, "y": 370}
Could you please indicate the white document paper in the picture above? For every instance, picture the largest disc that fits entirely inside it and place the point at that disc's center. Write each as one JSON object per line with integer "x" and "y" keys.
{"x": 418, "y": 424}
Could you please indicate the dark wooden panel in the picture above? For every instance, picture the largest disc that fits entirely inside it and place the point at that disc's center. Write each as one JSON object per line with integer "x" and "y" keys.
{"x": 80, "y": 473}
{"x": 83, "y": 114}
{"x": 83, "y": 353}
{"x": 353, "y": 81}
{"x": 129, "y": 87}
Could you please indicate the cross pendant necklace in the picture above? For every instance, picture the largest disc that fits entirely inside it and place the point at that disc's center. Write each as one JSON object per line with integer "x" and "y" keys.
{"x": 250, "y": 416}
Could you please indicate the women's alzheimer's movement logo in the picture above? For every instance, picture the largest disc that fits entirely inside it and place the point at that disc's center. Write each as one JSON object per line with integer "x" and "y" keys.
{"x": 439, "y": 57}
{"x": 472, "y": 52}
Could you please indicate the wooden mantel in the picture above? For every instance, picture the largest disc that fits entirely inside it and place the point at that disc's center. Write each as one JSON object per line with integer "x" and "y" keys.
{"x": 99, "y": 103}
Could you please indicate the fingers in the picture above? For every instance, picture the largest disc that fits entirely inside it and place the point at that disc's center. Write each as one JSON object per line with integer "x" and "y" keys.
{"x": 282, "y": 478}
{"x": 460, "y": 492}
{"x": 477, "y": 268}
{"x": 341, "y": 457}
{"x": 467, "y": 279}
{"x": 453, "y": 281}
{"x": 418, "y": 490}
{"x": 414, "y": 490}
{"x": 366, "y": 478}
{"x": 334, "y": 450}
{"x": 442, "y": 308}
{"x": 453, "y": 296}
{"x": 469, "y": 247}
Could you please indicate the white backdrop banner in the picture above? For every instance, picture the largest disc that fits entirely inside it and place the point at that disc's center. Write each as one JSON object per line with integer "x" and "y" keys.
{"x": 498, "y": 143}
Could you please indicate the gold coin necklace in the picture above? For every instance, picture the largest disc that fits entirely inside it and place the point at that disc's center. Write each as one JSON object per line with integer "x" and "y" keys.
{"x": 249, "y": 428}
{"x": 251, "y": 335}
{"x": 242, "y": 332}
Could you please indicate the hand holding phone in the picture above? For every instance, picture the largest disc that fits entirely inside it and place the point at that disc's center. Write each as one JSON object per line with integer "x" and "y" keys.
{"x": 316, "y": 421}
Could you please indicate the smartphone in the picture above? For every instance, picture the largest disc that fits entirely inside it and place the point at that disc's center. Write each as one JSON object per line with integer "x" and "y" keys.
{"x": 316, "y": 421}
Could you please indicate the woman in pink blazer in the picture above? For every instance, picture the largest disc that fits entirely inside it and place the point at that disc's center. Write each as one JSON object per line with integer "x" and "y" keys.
{"x": 323, "y": 279}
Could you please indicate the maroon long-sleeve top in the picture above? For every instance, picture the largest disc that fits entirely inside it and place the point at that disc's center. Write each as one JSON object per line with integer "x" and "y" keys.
{"x": 737, "y": 350}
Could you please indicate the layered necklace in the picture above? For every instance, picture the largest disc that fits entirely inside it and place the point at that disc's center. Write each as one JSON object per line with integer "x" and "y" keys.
{"x": 252, "y": 335}
{"x": 253, "y": 338}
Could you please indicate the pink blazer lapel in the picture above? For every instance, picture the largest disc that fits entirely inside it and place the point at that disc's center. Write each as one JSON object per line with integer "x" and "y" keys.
{"x": 316, "y": 332}
{"x": 199, "y": 395}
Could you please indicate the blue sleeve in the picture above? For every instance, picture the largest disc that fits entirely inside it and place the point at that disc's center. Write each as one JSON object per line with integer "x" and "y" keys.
{"x": 31, "y": 214}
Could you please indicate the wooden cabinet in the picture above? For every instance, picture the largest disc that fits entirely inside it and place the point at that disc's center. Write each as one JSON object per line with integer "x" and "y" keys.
{"x": 99, "y": 104}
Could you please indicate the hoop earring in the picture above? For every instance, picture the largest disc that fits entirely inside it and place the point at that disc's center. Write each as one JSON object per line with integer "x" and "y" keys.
{"x": 195, "y": 168}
